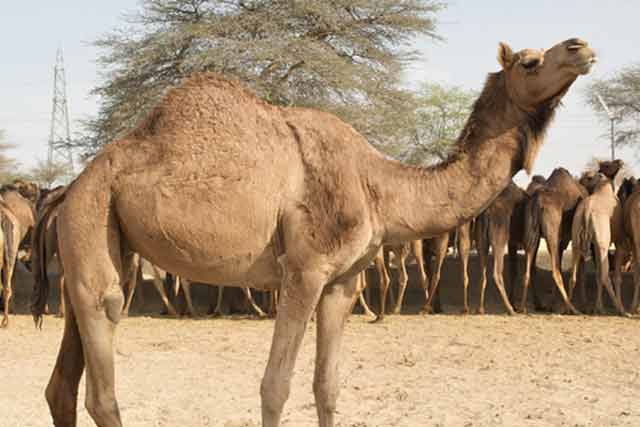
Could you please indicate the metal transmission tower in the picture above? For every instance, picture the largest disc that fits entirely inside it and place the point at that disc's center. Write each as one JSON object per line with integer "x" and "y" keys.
{"x": 59, "y": 134}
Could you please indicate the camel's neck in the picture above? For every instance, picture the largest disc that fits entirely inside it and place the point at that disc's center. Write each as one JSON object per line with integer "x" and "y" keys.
{"x": 497, "y": 142}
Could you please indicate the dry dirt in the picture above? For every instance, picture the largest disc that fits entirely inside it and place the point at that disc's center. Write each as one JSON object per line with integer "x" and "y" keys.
{"x": 443, "y": 370}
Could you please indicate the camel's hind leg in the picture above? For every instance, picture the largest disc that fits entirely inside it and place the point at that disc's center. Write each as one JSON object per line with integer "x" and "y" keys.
{"x": 62, "y": 391}
{"x": 333, "y": 310}
{"x": 7, "y": 273}
{"x": 482, "y": 246}
{"x": 498, "y": 235}
{"x": 554, "y": 255}
{"x": 381, "y": 268}
{"x": 602, "y": 269}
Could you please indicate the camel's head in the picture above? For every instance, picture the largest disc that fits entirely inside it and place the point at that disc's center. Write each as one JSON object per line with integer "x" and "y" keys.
{"x": 534, "y": 76}
{"x": 610, "y": 168}
{"x": 591, "y": 179}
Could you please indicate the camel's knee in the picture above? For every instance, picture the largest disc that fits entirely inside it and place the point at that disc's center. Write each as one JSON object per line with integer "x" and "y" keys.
{"x": 274, "y": 392}
{"x": 113, "y": 302}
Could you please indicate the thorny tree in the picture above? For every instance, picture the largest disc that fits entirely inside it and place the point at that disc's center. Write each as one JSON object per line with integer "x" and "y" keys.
{"x": 343, "y": 56}
{"x": 622, "y": 95}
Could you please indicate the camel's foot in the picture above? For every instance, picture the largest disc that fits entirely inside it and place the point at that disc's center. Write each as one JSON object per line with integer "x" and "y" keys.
{"x": 522, "y": 309}
{"x": 5, "y": 322}
{"x": 511, "y": 311}
{"x": 465, "y": 310}
{"x": 427, "y": 309}
{"x": 60, "y": 315}
{"x": 397, "y": 310}
{"x": 481, "y": 310}
{"x": 379, "y": 318}
{"x": 599, "y": 310}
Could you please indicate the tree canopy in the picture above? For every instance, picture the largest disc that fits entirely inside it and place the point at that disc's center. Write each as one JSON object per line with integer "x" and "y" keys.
{"x": 342, "y": 56}
{"x": 7, "y": 163}
{"x": 440, "y": 115}
{"x": 621, "y": 93}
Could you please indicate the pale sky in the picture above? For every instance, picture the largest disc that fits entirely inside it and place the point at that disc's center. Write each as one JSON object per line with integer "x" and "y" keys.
{"x": 471, "y": 28}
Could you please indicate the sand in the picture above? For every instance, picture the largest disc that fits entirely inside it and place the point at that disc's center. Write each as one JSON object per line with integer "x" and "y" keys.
{"x": 443, "y": 370}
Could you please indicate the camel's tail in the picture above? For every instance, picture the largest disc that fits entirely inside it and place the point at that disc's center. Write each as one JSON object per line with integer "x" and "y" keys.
{"x": 39, "y": 260}
{"x": 586, "y": 234}
{"x": 532, "y": 221}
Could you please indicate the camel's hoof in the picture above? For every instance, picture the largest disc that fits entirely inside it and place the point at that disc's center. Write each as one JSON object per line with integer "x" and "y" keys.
{"x": 4, "y": 324}
{"x": 465, "y": 311}
{"x": 427, "y": 309}
{"x": 378, "y": 319}
{"x": 61, "y": 315}
{"x": 481, "y": 310}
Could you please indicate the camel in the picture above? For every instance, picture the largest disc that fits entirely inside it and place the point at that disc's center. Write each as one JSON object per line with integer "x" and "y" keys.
{"x": 501, "y": 227}
{"x": 549, "y": 214}
{"x": 631, "y": 227}
{"x": 598, "y": 222}
{"x": 218, "y": 185}
{"x": 10, "y": 235}
{"x": 24, "y": 211}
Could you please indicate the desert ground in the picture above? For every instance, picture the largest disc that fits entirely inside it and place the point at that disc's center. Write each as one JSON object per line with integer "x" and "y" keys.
{"x": 411, "y": 370}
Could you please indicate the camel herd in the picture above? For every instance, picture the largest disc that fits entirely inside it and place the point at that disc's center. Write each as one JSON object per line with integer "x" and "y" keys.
{"x": 217, "y": 186}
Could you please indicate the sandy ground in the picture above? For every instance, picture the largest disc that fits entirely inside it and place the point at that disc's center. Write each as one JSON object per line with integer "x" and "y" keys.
{"x": 444, "y": 370}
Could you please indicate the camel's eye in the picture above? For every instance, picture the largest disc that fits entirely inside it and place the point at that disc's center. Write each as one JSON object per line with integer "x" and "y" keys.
{"x": 530, "y": 64}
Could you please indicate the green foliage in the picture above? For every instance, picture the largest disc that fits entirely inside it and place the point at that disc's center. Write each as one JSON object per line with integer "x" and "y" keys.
{"x": 440, "y": 115}
{"x": 342, "y": 56}
{"x": 621, "y": 93}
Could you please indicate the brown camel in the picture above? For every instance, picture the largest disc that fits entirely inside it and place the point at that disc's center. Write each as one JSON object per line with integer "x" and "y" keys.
{"x": 623, "y": 260}
{"x": 220, "y": 186}
{"x": 598, "y": 222}
{"x": 10, "y": 234}
{"x": 549, "y": 214}
{"x": 501, "y": 227}
{"x": 23, "y": 210}
{"x": 631, "y": 223}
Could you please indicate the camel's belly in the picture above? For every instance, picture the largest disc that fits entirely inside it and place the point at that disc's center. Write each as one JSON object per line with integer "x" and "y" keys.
{"x": 210, "y": 236}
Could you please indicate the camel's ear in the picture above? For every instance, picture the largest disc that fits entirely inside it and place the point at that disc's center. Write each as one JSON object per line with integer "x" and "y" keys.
{"x": 505, "y": 55}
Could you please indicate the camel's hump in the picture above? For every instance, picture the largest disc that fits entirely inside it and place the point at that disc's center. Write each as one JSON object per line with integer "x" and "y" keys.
{"x": 202, "y": 103}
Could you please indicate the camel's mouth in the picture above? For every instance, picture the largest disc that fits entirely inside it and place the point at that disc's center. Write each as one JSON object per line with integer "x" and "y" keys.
{"x": 585, "y": 67}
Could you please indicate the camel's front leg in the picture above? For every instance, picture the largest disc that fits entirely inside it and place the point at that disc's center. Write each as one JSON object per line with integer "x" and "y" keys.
{"x": 332, "y": 313}
{"x": 160, "y": 288}
{"x": 300, "y": 293}
{"x": 403, "y": 278}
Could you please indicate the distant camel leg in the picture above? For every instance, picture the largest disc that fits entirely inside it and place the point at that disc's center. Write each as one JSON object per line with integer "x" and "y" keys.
{"x": 384, "y": 283}
{"x": 464, "y": 246}
{"x": 512, "y": 256}
{"x": 256, "y": 308}
{"x": 186, "y": 290}
{"x": 433, "y": 302}
{"x": 619, "y": 257}
{"x": 602, "y": 242}
{"x": 361, "y": 287}
{"x": 529, "y": 276}
{"x": 554, "y": 255}
{"x": 482, "y": 246}
{"x": 218, "y": 310}
{"x": 131, "y": 266}
{"x": 499, "y": 237}
{"x": 160, "y": 288}
{"x": 576, "y": 267}
{"x": 403, "y": 278}
{"x": 636, "y": 282}
{"x": 6, "y": 285}
{"x": 62, "y": 307}
{"x": 418, "y": 253}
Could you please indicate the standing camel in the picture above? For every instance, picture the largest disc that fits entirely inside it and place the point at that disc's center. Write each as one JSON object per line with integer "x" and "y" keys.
{"x": 598, "y": 222}
{"x": 549, "y": 214}
{"x": 282, "y": 198}
{"x": 501, "y": 227}
{"x": 631, "y": 223}
{"x": 10, "y": 234}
